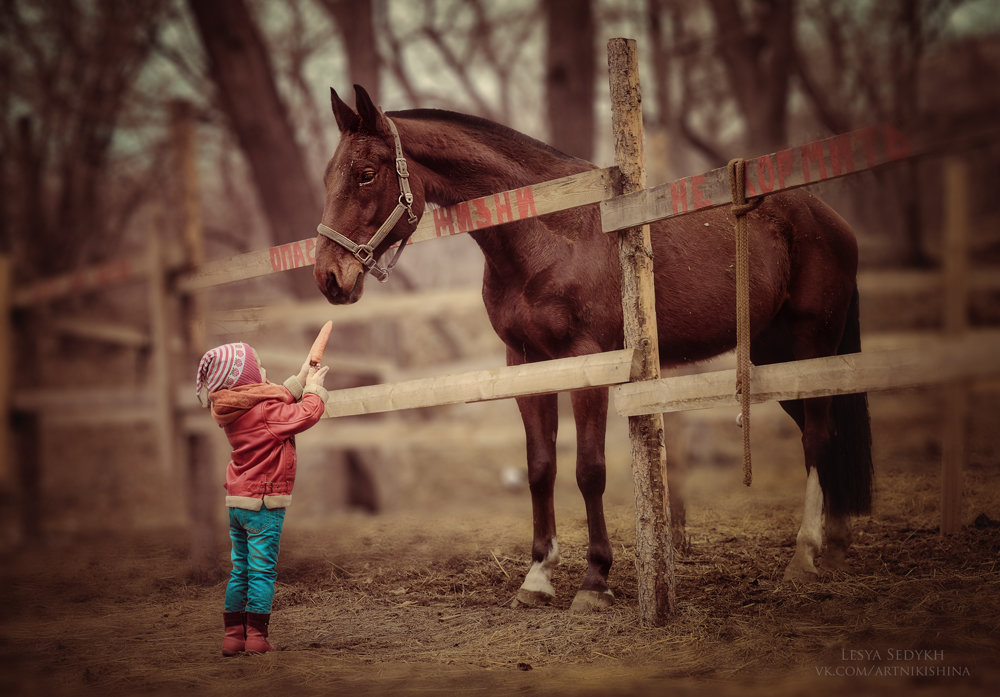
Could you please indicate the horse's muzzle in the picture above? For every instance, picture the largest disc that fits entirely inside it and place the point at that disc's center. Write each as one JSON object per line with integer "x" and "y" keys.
{"x": 337, "y": 294}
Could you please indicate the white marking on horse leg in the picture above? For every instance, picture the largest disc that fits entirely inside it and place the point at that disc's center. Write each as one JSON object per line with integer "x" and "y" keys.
{"x": 539, "y": 577}
{"x": 808, "y": 542}
{"x": 537, "y": 587}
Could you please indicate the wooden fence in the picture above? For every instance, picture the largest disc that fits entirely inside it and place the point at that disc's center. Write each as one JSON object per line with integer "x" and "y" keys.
{"x": 639, "y": 393}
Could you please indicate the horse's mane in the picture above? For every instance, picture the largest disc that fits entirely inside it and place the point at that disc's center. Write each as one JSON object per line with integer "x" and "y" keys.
{"x": 483, "y": 127}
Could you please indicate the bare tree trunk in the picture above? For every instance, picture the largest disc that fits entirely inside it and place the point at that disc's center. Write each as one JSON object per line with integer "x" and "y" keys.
{"x": 241, "y": 69}
{"x": 661, "y": 62}
{"x": 908, "y": 51}
{"x": 72, "y": 70}
{"x": 757, "y": 51}
{"x": 569, "y": 76}
{"x": 356, "y": 25}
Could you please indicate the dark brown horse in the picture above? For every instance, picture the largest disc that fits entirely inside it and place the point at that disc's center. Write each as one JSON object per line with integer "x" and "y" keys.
{"x": 552, "y": 289}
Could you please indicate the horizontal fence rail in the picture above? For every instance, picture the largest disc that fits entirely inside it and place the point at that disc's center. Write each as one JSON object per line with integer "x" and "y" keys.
{"x": 559, "y": 375}
{"x": 798, "y": 166}
{"x": 923, "y": 359}
{"x": 581, "y": 189}
{"x": 930, "y": 361}
{"x": 109, "y": 273}
{"x": 810, "y": 163}
{"x": 791, "y": 168}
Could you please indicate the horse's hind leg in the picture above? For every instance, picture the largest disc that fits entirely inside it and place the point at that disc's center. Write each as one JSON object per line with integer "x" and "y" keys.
{"x": 590, "y": 410}
{"x": 816, "y": 441}
{"x": 541, "y": 419}
{"x": 813, "y": 417}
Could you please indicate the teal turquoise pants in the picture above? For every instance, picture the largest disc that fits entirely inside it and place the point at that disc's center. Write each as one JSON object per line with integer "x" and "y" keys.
{"x": 256, "y": 536}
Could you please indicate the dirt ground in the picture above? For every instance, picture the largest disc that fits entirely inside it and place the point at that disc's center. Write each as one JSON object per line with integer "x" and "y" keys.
{"x": 416, "y": 600}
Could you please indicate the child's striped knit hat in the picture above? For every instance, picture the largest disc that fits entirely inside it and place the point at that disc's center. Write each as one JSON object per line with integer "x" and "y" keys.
{"x": 225, "y": 367}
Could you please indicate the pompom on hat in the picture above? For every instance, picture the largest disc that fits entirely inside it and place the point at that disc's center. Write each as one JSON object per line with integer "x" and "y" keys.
{"x": 226, "y": 367}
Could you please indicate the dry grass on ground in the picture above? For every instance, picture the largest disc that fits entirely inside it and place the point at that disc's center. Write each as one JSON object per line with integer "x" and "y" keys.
{"x": 417, "y": 602}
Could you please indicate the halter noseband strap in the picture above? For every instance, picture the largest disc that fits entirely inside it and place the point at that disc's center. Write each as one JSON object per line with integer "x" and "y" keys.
{"x": 365, "y": 253}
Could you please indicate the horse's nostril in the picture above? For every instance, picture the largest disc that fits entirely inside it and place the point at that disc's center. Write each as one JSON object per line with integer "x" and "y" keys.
{"x": 328, "y": 284}
{"x": 332, "y": 283}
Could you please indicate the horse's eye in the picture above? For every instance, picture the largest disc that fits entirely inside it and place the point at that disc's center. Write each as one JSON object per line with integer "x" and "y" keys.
{"x": 368, "y": 176}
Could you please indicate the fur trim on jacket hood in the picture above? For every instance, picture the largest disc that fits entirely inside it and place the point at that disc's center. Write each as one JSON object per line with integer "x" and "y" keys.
{"x": 229, "y": 405}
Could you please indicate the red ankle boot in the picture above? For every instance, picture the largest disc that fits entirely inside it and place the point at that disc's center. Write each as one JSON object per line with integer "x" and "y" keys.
{"x": 236, "y": 632}
{"x": 257, "y": 632}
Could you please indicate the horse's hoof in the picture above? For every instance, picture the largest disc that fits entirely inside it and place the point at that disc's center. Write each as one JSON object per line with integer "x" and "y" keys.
{"x": 531, "y": 598}
{"x": 836, "y": 560}
{"x": 592, "y": 601}
{"x": 797, "y": 574}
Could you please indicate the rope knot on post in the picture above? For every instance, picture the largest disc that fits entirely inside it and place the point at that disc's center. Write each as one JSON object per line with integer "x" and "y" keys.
{"x": 740, "y": 207}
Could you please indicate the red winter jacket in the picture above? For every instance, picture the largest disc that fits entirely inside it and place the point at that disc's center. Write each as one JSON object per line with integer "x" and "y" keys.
{"x": 261, "y": 421}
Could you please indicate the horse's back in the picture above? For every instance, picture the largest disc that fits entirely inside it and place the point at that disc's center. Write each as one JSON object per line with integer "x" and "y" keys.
{"x": 798, "y": 247}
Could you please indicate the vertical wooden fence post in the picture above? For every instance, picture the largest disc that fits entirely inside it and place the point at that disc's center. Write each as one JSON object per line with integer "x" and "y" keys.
{"x": 203, "y": 476}
{"x": 25, "y": 424}
{"x": 653, "y": 546}
{"x": 956, "y": 396}
{"x": 161, "y": 339}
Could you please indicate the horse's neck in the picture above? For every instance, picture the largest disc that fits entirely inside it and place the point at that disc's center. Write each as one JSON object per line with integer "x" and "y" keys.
{"x": 456, "y": 166}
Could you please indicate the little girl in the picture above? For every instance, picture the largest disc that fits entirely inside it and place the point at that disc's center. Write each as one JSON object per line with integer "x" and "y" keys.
{"x": 260, "y": 419}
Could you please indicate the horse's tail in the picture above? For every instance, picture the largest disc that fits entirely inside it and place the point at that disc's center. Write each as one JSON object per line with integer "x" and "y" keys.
{"x": 847, "y": 483}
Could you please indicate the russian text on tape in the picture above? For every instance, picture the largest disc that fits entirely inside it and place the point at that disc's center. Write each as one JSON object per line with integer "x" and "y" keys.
{"x": 790, "y": 168}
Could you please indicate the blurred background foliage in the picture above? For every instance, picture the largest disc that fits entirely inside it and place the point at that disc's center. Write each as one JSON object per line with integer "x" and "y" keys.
{"x": 88, "y": 89}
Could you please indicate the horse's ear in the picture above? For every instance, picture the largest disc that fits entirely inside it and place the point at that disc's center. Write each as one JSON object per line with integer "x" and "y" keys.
{"x": 371, "y": 118}
{"x": 347, "y": 119}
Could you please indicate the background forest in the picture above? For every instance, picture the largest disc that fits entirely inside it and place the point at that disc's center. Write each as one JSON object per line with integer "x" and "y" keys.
{"x": 88, "y": 90}
{"x": 112, "y": 538}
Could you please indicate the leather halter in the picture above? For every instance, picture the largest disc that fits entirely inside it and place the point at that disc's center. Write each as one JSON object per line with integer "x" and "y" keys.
{"x": 365, "y": 253}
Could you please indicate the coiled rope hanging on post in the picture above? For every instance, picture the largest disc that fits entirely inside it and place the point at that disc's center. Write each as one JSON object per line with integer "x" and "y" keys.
{"x": 740, "y": 207}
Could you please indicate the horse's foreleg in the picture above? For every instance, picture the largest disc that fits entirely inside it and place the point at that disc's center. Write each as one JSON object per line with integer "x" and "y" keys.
{"x": 590, "y": 410}
{"x": 541, "y": 419}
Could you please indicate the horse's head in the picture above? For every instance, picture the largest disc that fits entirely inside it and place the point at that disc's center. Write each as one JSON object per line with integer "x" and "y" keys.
{"x": 371, "y": 201}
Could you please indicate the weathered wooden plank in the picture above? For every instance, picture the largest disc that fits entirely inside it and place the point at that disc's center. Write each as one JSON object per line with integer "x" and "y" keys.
{"x": 935, "y": 361}
{"x": 518, "y": 204}
{"x": 956, "y": 321}
{"x": 160, "y": 340}
{"x": 594, "y": 370}
{"x": 110, "y": 273}
{"x": 797, "y": 166}
{"x": 477, "y": 214}
{"x": 96, "y": 330}
{"x": 81, "y": 398}
{"x": 104, "y": 416}
{"x": 912, "y": 282}
{"x": 197, "y": 458}
{"x": 653, "y": 543}
{"x": 809, "y": 163}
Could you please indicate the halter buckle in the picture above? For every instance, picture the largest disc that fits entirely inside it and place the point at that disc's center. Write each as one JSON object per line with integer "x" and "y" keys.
{"x": 365, "y": 254}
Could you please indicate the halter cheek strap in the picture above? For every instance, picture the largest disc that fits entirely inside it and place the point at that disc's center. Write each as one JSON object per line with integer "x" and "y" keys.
{"x": 365, "y": 253}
